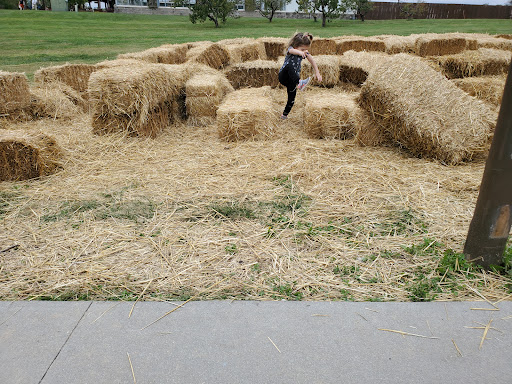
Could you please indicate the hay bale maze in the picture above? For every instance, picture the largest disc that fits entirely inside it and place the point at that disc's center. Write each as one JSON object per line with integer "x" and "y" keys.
{"x": 26, "y": 155}
{"x": 175, "y": 185}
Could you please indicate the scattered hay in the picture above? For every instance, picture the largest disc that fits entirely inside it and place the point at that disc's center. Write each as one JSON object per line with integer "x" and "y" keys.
{"x": 486, "y": 88}
{"x": 481, "y": 62}
{"x": 74, "y": 75}
{"x": 14, "y": 92}
{"x": 323, "y": 47}
{"x": 204, "y": 95}
{"x": 423, "y": 111}
{"x": 211, "y": 54}
{"x": 165, "y": 54}
{"x": 274, "y": 46}
{"x": 355, "y": 66}
{"x": 358, "y": 44}
{"x": 26, "y": 156}
{"x": 255, "y": 74}
{"x": 439, "y": 45}
{"x": 330, "y": 116}
{"x": 52, "y": 100}
{"x": 243, "y": 49}
{"x": 140, "y": 101}
{"x": 246, "y": 114}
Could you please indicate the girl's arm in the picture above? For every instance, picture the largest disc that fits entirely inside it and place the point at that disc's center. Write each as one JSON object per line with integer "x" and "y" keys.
{"x": 315, "y": 67}
{"x": 296, "y": 52}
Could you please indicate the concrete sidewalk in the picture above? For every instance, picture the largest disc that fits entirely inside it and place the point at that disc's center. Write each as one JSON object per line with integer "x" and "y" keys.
{"x": 254, "y": 342}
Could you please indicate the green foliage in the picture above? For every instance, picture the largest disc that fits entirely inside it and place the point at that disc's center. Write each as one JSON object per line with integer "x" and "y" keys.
{"x": 8, "y": 4}
{"x": 268, "y": 8}
{"x": 231, "y": 249}
{"x": 232, "y": 210}
{"x": 213, "y": 10}
{"x": 330, "y": 9}
{"x": 412, "y": 10}
{"x": 284, "y": 291}
{"x": 362, "y": 7}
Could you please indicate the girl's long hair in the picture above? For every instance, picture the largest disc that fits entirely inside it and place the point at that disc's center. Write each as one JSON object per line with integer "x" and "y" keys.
{"x": 300, "y": 38}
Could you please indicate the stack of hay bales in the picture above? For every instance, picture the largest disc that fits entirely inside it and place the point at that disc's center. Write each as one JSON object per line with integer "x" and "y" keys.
{"x": 74, "y": 75}
{"x": 494, "y": 42}
{"x": 119, "y": 63}
{"x": 247, "y": 114}
{"x": 274, "y": 46}
{"x": 26, "y": 156}
{"x": 439, "y": 45}
{"x": 418, "y": 108}
{"x": 140, "y": 101}
{"x": 481, "y": 62}
{"x": 486, "y": 88}
{"x": 205, "y": 93}
{"x": 329, "y": 67}
{"x": 328, "y": 116}
{"x": 323, "y": 47}
{"x": 14, "y": 93}
{"x": 165, "y": 54}
{"x": 358, "y": 44}
{"x": 399, "y": 44}
{"x": 355, "y": 66}
{"x": 243, "y": 49}
{"x": 208, "y": 53}
{"x": 256, "y": 74}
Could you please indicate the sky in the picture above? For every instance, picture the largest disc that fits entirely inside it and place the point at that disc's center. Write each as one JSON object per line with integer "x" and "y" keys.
{"x": 476, "y": 2}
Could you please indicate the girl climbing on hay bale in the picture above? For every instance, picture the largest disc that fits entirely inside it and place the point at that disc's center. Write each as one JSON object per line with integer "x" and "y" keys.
{"x": 289, "y": 74}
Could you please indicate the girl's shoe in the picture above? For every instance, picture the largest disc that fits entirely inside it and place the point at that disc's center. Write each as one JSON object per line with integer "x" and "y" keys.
{"x": 284, "y": 117}
{"x": 303, "y": 84}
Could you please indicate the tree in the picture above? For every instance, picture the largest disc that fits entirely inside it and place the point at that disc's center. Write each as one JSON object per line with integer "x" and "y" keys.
{"x": 330, "y": 9}
{"x": 362, "y": 7}
{"x": 268, "y": 8}
{"x": 412, "y": 10}
{"x": 308, "y": 7}
{"x": 213, "y": 10}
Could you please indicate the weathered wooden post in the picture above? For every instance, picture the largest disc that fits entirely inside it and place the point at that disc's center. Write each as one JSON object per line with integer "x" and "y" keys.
{"x": 490, "y": 226}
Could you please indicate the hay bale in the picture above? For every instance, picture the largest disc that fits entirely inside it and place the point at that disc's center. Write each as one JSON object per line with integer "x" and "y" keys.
{"x": 243, "y": 49}
{"x": 358, "y": 44}
{"x": 481, "y": 62}
{"x": 119, "y": 63}
{"x": 330, "y": 116}
{"x": 26, "y": 155}
{"x": 321, "y": 46}
{"x": 439, "y": 45}
{"x": 274, "y": 46}
{"x": 399, "y": 44}
{"x": 255, "y": 74}
{"x": 355, "y": 66}
{"x": 486, "y": 88}
{"x": 140, "y": 101}
{"x": 57, "y": 101}
{"x": 74, "y": 75}
{"x": 165, "y": 54}
{"x": 14, "y": 92}
{"x": 204, "y": 95}
{"x": 504, "y": 36}
{"x": 421, "y": 110}
{"x": 247, "y": 114}
{"x": 329, "y": 67}
{"x": 495, "y": 43}
{"x": 210, "y": 54}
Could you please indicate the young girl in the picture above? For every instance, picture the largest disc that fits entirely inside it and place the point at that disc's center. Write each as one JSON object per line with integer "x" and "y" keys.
{"x": 289, "y": 74}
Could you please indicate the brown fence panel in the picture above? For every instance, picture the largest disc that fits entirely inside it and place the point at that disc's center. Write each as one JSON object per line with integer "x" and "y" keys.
{"x": 389, "y": 11}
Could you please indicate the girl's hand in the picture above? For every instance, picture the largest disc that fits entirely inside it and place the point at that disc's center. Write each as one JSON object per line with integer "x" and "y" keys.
{"x": 319, "y": 77}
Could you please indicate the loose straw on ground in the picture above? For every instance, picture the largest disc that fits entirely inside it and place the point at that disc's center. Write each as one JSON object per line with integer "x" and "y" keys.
{"x": 274, "y": 344}
{"x": 457, "y": 348}
{"x": 100, "y": 316}
{"x": 131, "y": 367}
{"x": 138, "y": 298}
{"x": 408, "y": 334}
{"x": 486, "y": 329}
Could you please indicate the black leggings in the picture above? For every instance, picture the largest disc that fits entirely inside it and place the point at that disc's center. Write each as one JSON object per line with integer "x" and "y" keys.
{"x": 290, "y": 80}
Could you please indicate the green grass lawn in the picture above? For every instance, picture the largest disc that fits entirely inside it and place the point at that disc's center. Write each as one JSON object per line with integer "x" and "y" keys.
{"x": 31, "y": 40}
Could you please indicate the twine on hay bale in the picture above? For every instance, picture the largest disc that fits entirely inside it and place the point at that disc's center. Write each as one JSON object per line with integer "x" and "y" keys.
{"x": 486, "y": 88}
{"x": 255, "y": 74}
{"x": 321, "y": 46}
{"x": 165, "y": 54}
{"x": 14, "y": 92}
{"x": 439, "y": 45}
{"x": 246, "y": 114}
{"x": 330, "y": 116}
{"x": 355, "y": 66}
{"x": 421, "y": 110}
{"x": 141, "y": 101}
{"x": 205, "y": 93}
{"x": 481, "y": 62}
{"x": 211, "y": 54}
{"x": 274, "y": 46}
{"x": 26, "y": 155}
{"x": 358, "y": 44}
{"x": 243, "y": 49}
{"x": 74, "y": 75}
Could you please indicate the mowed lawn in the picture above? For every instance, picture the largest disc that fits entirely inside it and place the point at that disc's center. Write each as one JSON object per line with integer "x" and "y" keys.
{"x": 31, "y": 40}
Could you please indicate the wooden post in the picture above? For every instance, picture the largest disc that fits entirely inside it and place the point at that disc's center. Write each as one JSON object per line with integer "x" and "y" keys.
{"x": 490, "y": 226}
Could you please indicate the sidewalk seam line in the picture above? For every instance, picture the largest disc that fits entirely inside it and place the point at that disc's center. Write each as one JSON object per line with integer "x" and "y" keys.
{"x": 65, "y": 342}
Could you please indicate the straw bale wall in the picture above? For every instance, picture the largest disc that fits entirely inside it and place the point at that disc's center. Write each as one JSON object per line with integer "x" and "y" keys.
{"x": 56, "y": 100}
{"x": 418, "y": 108}
{"x": 26, "y": 155}
{"x": 255, "y": 74}
{"x": 14, "y": 92}
{"x": 486, "y": 88}
{"x": 439, "y": 45}
{"x": 358, "y": 44}
{"x": 481, "y": 62}
{"x": 242, "y": 50}
{"x": 355, "y": 66}
{"x": 321, "y": 46}
{"x": 140, "y": 101}
{"x": 74, "y": 75}
{"x": 165, "y": 54}
{"x": 399, "y": 44}
{"x": 494, "y": 42}
{"x": 329, "y": 116}
{"x": 247, "y": 114}
{"x": 329, "y": 67}
{"x": 274, "y": 46}
{"x": 211, "y": 54}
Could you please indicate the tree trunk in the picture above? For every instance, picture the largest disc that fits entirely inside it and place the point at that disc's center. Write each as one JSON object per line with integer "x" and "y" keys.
{"x": 324, "y": 18}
